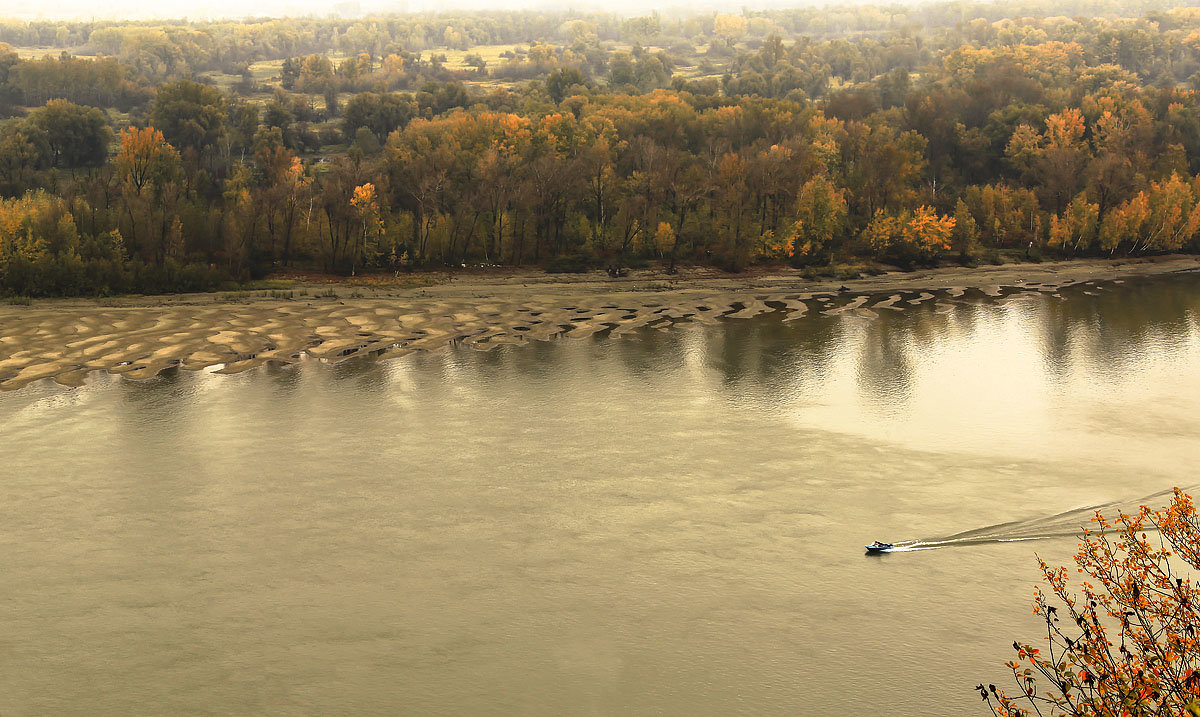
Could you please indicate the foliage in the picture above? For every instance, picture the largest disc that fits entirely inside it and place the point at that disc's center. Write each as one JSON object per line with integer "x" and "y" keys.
{"x": 820, "y": 220}
{"x": 1075, "y": 229}
{"x": 909, "y": 236}
{"x": 379, "y": 113}
{"x": 1123, "y": 642}
{"x": 811, "y": 135}
{"x": 570, "y": 264}
{"x": 189, "y": 115}
{"x": 75, "y": 136}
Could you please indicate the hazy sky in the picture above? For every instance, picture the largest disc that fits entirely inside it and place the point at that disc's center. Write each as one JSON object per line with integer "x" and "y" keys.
{"x": 203, "y": 9}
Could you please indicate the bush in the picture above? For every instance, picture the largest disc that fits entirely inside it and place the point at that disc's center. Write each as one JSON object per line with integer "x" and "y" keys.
{"x": 68, "y": 275}
{"x": 813, "y": 272}
{"x": 570, "y": 264}
{"x": 329, "y": 135}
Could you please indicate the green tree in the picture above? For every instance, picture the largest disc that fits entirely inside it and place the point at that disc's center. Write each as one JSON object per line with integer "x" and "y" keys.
{"x": 379, "y": 113}
{"x": 189, "y": 115}
{"x": 76, "y": 136}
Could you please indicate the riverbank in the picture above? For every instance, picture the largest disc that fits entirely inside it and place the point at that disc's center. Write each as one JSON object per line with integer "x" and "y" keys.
{"x": 65, "y": 339}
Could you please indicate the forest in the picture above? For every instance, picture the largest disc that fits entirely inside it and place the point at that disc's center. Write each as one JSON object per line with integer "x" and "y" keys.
{"x": 151, "y": 157}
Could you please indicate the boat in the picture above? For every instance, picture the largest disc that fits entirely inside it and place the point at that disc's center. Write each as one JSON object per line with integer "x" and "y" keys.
{"x": 879, "y": 547}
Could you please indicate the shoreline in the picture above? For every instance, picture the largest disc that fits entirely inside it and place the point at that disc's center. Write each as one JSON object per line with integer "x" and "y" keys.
{"x": 67, "y": 339}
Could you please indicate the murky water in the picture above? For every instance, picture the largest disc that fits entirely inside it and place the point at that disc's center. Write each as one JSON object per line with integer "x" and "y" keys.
{"x": 664, "y": 523}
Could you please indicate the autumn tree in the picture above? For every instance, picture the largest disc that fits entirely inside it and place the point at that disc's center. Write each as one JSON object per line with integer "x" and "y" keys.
{"x": 148, "y": 172}
{"x": 285, "y": 192}
{"x": 1076, "y": 228}
{"x": 909, "y": 236}
{"x": 820, "y": 220}
{"x": 1174, "y": 215}
{"x": 965, "y": 237}
{"x": 729, "y": 28}
{"x": 1164, "y": 217}
{"x": 35, "y": 225}
{"x": 367, "y": 211}
{"x": 342, "y": 219}
{"x": 1123, "y": 641}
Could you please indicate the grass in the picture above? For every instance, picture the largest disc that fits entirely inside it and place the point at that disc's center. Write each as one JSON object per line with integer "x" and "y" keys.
{"x": 456, "y": 59}
{"x": 18, "y": 301}
{"x": 264, "y": 73}
{"x": 841, "y": 272}
{"x": 33, "y": 53}
{"x": 267, "y": 284}
{"x": 244, "y": 296}
{"x": 380, "y": 282}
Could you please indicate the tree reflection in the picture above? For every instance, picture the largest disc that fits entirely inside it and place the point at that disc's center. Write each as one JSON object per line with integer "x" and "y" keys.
{"x": 1117, "y": 328}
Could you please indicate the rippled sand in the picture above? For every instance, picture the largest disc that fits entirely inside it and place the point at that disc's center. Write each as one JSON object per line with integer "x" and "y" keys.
{"x": 65, "y": 340}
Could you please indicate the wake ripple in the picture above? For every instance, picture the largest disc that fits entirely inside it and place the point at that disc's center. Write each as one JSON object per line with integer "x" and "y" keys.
{"x": 1060, "y": 525}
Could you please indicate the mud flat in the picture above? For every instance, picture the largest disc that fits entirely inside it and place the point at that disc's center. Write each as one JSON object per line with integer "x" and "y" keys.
{"x": 65, "y": 340}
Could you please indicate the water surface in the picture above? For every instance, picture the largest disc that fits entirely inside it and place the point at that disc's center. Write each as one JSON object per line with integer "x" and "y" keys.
{"x": 666, "y": 523}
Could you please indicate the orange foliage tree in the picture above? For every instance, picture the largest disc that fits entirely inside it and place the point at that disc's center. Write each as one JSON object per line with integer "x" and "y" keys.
{"x": 1124, "y": 642}
{"x": 145, "y": 158}
{"x": 149, "y": 169}
{"x": 917, "y": 235}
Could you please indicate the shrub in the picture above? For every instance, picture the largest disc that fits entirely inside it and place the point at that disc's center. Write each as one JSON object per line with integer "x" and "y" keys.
{"x": 570, "y": 264}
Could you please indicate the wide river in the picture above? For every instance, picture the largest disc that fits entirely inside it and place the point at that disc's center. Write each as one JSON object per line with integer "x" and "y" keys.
{"x": 670, "y": 522}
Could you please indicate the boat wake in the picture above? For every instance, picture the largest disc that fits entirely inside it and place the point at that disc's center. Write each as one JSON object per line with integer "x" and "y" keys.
{"x": 1066, "y": 524}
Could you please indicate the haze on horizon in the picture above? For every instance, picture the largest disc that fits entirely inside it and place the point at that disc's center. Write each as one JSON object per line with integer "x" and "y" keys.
{"x": 217, "y": 9}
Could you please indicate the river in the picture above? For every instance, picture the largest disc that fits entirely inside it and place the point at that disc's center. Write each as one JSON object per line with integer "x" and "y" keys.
{"x": 669, "y": 522}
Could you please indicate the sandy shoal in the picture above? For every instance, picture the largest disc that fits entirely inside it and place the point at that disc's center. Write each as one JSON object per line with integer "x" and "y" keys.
{"x": 66, "y": 339}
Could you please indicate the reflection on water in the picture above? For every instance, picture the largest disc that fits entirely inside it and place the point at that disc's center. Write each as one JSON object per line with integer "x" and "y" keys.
{"x": 669, "y": 521}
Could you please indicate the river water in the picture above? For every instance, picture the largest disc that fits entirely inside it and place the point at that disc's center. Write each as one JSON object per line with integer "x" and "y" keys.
{"x": 669, "y": 522}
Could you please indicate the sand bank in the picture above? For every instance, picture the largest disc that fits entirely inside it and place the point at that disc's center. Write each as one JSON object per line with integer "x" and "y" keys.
{"x": 138, "y": 337}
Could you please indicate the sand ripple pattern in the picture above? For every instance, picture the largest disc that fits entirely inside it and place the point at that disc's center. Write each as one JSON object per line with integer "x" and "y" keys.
{"x": 66, "y": 343}
{"x": 139, "y": 342}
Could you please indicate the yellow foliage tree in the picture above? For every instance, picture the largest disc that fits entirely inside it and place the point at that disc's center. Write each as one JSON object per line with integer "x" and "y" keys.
{"x": 820, "y": 220}
{"x": 1123, "y": 224}
{"x": 729, "y": 27}
{"x": 772, "y": 247}
{"x": 1164, "y": 217}
{"x": 1065, "y": 129}
{"x": 1076, "y": 228}
{"x": 664, "y": 238}
{"x": 36, "y": 224}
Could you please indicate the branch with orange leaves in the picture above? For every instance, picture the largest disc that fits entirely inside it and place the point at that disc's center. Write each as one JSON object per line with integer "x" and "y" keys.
{"x": 1123, "y": 643}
